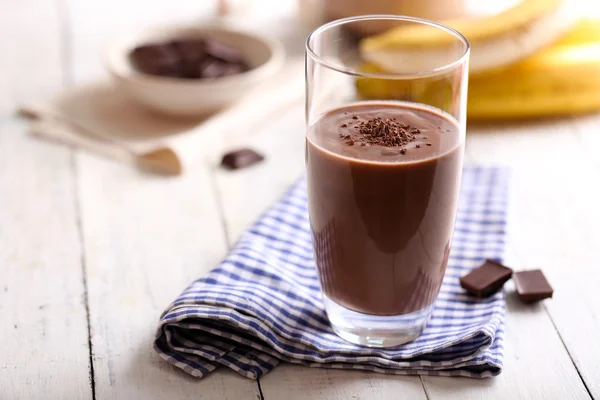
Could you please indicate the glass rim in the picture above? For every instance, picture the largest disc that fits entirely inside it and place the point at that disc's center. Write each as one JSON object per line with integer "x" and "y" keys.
{"x": 388, "y": 75}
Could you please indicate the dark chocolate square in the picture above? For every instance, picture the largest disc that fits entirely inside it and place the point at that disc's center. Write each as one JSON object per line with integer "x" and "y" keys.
{"x": 189, "y": 49}
{"x": 156, "y": 59}
{"x": 241, "y": 159}
{"x": 486, "y": 279}
{"x": 222, "y": 51}
{"x": 532, "y": 286}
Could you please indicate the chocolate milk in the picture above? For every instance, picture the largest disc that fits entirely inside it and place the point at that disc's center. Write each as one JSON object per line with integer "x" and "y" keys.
{"x": 382, "y": 217}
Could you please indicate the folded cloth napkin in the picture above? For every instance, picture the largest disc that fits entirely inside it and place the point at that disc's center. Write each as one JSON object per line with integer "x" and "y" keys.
{"x": 102, "y": 119}
{"x": 263, "y": 305}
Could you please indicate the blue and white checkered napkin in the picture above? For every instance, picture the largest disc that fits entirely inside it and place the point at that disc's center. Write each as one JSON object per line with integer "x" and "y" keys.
{"x": 262, "y": 304}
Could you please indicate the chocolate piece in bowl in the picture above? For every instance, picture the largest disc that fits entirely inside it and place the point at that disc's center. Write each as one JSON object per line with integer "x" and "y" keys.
{"x": 191, "y": 58}
{"x": 191, "y": 52}
{"x": 210, "y": 68}
{"x": 486, "y": 279}
{"x": 156, "y": 59}
{"x": 222, "y": 51}
{"x": 189, "y": 49}
{"x": 234, "y": 69}
{"x": 223, "y": 60}
{"x": 242, "y": 158}
{"x": 532, "y": 286}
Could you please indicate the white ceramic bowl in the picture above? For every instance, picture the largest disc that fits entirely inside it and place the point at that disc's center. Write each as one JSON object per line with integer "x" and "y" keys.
{"x": 193, "y": 97}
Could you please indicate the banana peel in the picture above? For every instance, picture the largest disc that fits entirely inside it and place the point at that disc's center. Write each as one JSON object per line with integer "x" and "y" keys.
{"x": 561, "y": 79}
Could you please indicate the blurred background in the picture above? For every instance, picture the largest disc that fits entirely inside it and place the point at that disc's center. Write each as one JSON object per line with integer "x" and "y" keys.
{"x": 530, "y": 58}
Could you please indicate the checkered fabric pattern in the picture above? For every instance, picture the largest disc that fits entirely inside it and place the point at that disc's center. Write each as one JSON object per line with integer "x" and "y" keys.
{"x": 262, "y": 304}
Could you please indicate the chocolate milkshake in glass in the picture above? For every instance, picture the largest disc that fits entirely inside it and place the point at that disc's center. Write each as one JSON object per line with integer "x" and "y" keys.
{"x": 384, "y": 154}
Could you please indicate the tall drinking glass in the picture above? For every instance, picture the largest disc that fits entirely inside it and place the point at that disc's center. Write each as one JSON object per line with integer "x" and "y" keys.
{"x": 384, "y": 154}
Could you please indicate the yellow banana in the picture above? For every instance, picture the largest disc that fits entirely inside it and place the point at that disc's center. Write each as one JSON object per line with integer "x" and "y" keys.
{"x": 496, "y": 40}
{"x": 561, "y": 79}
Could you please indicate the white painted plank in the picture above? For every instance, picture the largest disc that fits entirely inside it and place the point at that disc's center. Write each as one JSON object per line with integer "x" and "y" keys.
{"x": 42, "y": 314}
{"x": 558, "y": 231}
{"x": 245, "y": 193}
{"x": 44, "y": 350}
{"x": 545, "y": 233}
{"x": 244, "y": 196}
{"x": 587, "y": 131}
{"x": 576, "y": 195}
{"x": 536, "y": 365}
{"x": 146, "y": 237}
{"x": 31, "y": 64}
{"x": 293, "y": 382}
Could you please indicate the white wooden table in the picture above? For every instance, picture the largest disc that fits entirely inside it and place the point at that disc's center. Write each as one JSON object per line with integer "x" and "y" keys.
{"x": 92, "y": 251}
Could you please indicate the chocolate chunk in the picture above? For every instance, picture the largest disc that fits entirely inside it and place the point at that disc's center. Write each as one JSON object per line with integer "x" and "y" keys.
{"x": 156, "y": 59}
{"x": 189, "y": 58}
{"x": 234, "y": 69}
{"x": 241, "y": 159}
{"x": 189, "y": 70}
{"x": 191, "y": 54}
{"x": 211, "y": 68}
{"x": 532, "y": 286}
{"x": 486, "y": 279}
{"x": 222, "y": 51}
{"x": 189, "y": 49}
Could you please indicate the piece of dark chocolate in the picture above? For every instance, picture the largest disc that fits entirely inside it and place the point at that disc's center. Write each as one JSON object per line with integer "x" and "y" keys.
{"x": 532, "y": 286}
{"x": 211, "y": 68}
{"x": 234, "y": 69}
{"x": 191, "y": 53}
{"x": 222, "y": 51}
{"x": 241, "y": 159}
{"x": 156, "y": 59}
{"x": 191, "y": 58}
{"x": 486, "y": 279}
{"x": 189, "y": 49}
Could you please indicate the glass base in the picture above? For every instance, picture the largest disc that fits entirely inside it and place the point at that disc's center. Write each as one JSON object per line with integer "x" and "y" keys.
{"x": 376, "y": 330}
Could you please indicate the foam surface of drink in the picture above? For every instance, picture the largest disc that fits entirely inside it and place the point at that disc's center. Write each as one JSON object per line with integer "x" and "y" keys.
{"x": 438, "y": 133}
